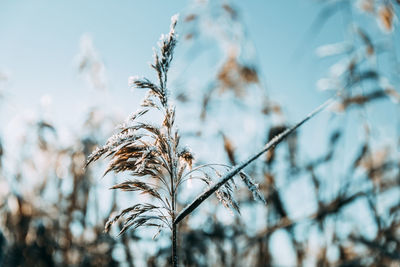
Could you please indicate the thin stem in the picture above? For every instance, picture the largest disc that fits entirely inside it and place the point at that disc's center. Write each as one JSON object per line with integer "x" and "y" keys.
{"x": 173, "y": 175}
{"x": 174, "y": 246}
{"x": 235, "y": 170}
{"x": 205, "y": 165}
{"x": 174, "y": 249}
{"x": 164, "y": 218}
{"x": 188, "y": 178}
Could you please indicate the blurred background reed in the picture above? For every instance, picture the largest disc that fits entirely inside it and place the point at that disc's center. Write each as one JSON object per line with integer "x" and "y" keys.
{"x": 243, "y": 71}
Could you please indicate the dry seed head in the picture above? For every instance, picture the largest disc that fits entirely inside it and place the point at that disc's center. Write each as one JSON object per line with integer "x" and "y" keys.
{"x": 152, "y": 153}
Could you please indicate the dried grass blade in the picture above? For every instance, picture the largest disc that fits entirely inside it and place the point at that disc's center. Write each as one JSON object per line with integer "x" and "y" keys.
{"x": 234, "y": 171}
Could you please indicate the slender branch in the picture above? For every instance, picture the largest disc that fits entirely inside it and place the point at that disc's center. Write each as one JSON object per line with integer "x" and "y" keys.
{"x": 192, "y": 177}
{"x": 235, "y": 170}
{"x": 205, "y": 165}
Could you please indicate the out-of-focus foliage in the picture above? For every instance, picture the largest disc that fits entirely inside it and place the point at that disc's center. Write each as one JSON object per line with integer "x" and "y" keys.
{"x": 45, "y": 221}
{"x": 337, "y": 208}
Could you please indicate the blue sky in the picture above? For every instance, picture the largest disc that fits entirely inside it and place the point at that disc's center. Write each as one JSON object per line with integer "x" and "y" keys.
{"x": 40, "y": 40}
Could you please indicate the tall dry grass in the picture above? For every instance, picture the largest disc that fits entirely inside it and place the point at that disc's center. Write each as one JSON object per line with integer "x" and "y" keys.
{"x": 151, "y": 154}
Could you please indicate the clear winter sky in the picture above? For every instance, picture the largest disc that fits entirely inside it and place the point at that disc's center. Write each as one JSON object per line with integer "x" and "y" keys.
{"x": 40, "y": 41}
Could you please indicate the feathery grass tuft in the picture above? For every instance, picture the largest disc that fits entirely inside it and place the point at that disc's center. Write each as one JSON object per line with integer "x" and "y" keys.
{"x": 152, "y": 154}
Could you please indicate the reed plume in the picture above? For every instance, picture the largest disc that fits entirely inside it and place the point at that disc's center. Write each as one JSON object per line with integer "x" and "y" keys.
{"x": 153, "y": 157}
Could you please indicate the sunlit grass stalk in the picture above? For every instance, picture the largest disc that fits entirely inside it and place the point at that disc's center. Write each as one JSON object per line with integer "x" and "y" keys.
{"x": 151, "y": 154}
{"x": 238, "y": 168}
